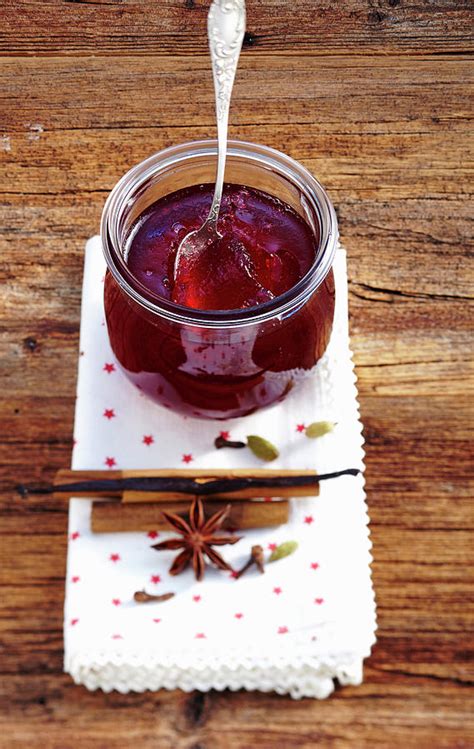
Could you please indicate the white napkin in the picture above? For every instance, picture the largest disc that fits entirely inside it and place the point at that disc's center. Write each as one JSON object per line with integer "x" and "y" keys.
{"x": 309, "y": 619}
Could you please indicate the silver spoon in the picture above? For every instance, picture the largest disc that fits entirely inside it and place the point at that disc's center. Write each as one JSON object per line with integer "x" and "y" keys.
{"x": 225, "y": 31}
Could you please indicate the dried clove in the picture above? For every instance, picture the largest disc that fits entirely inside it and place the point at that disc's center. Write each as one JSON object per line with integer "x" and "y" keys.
{"x": 141, "y": 596}
{"x": 259, "y": 559}
{"x": 221, "y": 441}
{"x": 256, "y": 558}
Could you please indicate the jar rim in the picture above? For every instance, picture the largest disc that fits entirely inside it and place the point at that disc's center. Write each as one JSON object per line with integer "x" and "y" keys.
{"x": 122, "y": 195}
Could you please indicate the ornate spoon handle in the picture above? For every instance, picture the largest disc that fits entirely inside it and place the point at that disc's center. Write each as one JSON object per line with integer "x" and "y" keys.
{"x": 225, "y": 30}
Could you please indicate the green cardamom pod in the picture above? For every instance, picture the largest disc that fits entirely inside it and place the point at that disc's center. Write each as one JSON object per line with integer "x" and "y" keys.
{"x": 319, "y": 428}
{"x": 283, "y": 550}
{"x": 262, "y": 448}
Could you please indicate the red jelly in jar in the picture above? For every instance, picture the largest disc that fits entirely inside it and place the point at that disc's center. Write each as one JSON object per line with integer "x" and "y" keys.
{"x": 237, "y": 329}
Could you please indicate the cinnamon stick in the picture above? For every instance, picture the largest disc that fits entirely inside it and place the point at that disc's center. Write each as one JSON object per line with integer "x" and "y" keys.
{"x": 112, "y": 517}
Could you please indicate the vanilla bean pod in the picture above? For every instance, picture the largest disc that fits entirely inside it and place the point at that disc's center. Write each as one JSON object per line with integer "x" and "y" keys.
{"x": 219, "y": 485}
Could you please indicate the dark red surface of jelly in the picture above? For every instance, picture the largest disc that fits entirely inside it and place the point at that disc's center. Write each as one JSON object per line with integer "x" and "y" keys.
{"x": 265, "y": 249}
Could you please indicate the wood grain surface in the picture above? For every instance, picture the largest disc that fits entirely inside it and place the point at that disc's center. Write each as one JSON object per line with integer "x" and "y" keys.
{"x": 375, "y": 98}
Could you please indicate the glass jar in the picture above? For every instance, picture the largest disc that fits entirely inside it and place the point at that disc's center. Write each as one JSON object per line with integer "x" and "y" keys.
{"x": 218, "y": 364}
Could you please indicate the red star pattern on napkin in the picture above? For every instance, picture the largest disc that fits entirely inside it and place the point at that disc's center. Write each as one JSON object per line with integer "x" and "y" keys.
{"x": 139, "y": 439}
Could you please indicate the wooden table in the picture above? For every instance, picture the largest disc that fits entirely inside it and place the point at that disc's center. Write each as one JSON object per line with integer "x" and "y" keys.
{"x": 373, "y": 98}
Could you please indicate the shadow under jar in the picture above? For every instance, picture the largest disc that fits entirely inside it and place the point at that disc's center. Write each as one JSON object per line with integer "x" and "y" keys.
{"x": 218, "y": 364}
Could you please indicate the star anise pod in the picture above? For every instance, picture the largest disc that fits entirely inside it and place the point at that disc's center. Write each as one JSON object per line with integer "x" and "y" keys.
{"x": 197, "y": 540}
